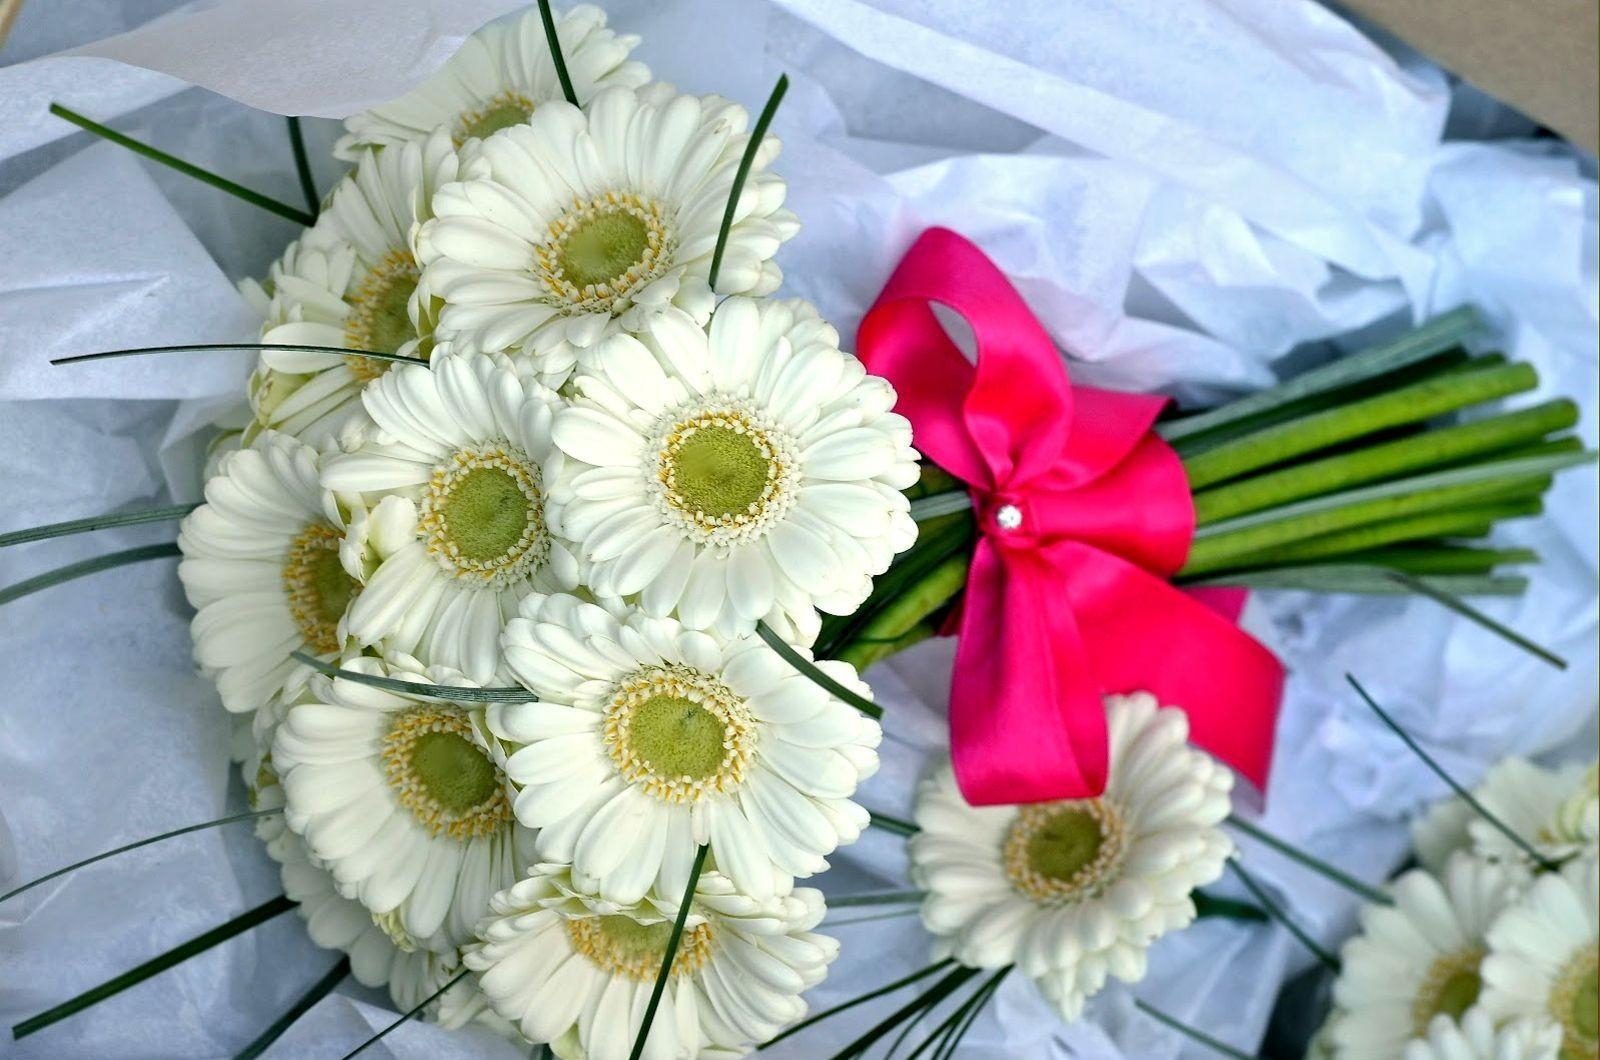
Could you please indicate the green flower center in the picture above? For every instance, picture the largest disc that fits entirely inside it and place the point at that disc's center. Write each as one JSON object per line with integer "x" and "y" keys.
{"x": 500, "y": 112}
{"x": 482, "y": 515}
{"x": 445, "y": 779}
{"x": 1575, "y": 1004}
{"x": 603, "y": 246}
{"x": 1063, "y": 852}
{"x": 1449, "y": 989}
{"x": 600, "y": 251}
{"x": 678, "y": 733}
{"x": 318, "y": 588}
{"x": 622, "y": 946}
{"x": 720, "y": 470}
{"x": 380, "y": 314}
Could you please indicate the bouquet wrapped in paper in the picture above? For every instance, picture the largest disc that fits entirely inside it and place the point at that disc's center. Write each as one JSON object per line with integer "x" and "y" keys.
{"x": 542, "y": 576}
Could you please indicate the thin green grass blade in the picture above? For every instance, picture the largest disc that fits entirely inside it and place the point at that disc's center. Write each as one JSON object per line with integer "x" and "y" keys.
{"x": 891, "y": 824}
{"x": 893, "y": 914}
{"x": 172, "y": 958}
{"x": 319, "y": 990}
{"x": 1359, "y": 579}
{"x": 204, "y": 347}
{"x": 1259, "y": 893}
{"x": 75, "y": 866}
{"x": 302, "y": 166}
{"x": 757, "y": 134}
{"x": 97, "y": 522}
{"x": 847, "y": 901}
{"x": 985, "y": 992}
{"x": 809, "y": 670}
{"x": 938, "y": 504}
{"x": 188, "y": 169}
{"x": 873, "y": 995}
{"x": 1440, "y": 772}
{"x": 1212, "y": 905}
{"x": 556, "y": 58}
{"x": 1200, "y": 1037}
{"x": 1365, "y": 891}
{"x": 86, "y": 567}
{"x": 926, "y": 1001}
{"x": 945, "y": 1030}
{"x": 1430, "y": 588}
{"x": 406, "y": 1018}
{"x": 669, "y": 955}
{"x": 1432, "y": 338}
{"x": 510, "y": 694}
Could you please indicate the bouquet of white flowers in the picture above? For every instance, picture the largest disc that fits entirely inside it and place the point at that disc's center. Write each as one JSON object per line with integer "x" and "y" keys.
{"x": 540, "y": 579}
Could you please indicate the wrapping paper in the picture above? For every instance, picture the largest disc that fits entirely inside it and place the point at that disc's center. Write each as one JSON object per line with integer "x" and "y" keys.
{"x": 1184, "y": 190}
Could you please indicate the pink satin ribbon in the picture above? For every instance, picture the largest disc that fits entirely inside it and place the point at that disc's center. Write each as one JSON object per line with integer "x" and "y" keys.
{"x": 1084, "y": 514}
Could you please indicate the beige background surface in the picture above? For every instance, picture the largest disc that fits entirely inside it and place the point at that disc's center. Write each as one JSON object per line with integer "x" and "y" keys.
{"x": 1540, "y": 56}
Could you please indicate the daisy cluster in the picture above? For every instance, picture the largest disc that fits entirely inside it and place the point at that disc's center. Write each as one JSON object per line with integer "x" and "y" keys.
{"x": 577, "y": 466}
{"x": 1488, "y": 950}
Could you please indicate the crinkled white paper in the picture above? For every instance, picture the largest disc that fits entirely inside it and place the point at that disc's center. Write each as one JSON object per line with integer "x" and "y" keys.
{"x": 1184, "y": 190}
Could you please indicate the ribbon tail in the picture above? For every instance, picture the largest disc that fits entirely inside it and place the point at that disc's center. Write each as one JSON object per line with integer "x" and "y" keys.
{"x": 1026, "y": 719}
{"x": 1141, "y": 633}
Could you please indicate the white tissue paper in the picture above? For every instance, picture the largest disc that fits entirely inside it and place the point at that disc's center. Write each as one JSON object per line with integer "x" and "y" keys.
{"x": 1184, "y": 190}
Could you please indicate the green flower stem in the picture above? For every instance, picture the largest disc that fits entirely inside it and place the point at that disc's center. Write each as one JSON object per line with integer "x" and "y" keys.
{"x": 172, "y": 958}
{"x": 319, "y": 990}
{"x": 97, "y": 522}
{"x": 937, "y": 540}
{"x": 93, "y": 565}
{"x": 937, "y": 966}
{"x": 302, "y": 166}
{"x": 1435, "y": 396}
{"x": 664, "y": 973}
{"x": 1444, "y": 559}
{"x": 188, "y": 169}
{"x": 1468, "y": 521}
{"x": 1429, "y": 449}
{"x": 1239, "y": 548}
{"x": 1431, "y": 339}
{"x": 903, "y": 616}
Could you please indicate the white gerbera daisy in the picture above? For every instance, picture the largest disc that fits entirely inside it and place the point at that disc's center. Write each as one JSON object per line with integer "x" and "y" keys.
{"x": 649, "y": 739}
{"x": 582, "y": 222}
{"x": 499, "y": 77}
{"x": 1542, "y": 957}
{"x": 750, "y": 472}
{"x": 579, "y": 976}
{"x": 352, "y": 281}
{"x": 452, "y": 471}
{"x": 261, "y": 567}
{"x": 1075, "y": 890}
{"x": 1420, "y": 957}
{"x": 401, "y": 799}
{"x": 1475, "y": 1037}
{"x": 1557, "y": 811}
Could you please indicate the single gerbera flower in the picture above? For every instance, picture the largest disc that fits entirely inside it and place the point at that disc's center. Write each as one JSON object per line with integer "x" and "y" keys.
{"x": 577, "y": 973}
{"x": 1542, "y": 957}
{"x": 261, "y": 567}
{"x": 1072, "y": 891}
{"x": 1556, "y": 811}
{"x": 1475, "y": 1037}
{"x": 403, "y": 800}
{"x": 451, "y": 529}
{"x": 499, "y": 77}
{"x": 649, "y": 739}
{"x": 1420, "y": 957}
{"x": 352, "y": 282}
{"x": 585, "y": 222}
{"x": 748, "y": 471}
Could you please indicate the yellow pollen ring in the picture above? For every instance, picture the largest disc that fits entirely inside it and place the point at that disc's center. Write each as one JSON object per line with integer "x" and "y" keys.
{"x": 646, "y": 217}
{"x": 468, "y": 803}
{"x": 622, "y": 946}
{"x": 1064, "y": 852}
{"x": 380, "y": 315}
{"x": 665, "y": 715}
{"x": 466, "y": 524}
{"x": 317, "y": 586}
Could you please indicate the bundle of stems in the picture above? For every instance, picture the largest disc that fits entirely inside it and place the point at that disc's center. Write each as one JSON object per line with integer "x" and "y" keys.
{"x": 1381, "y": 472}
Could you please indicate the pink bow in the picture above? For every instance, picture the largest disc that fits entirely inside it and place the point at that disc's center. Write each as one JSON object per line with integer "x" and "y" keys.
{"x": 1084, "y": 514}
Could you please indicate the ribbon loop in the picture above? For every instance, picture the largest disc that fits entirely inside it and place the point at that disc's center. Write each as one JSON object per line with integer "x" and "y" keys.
{"x": 1084, "y": 515}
